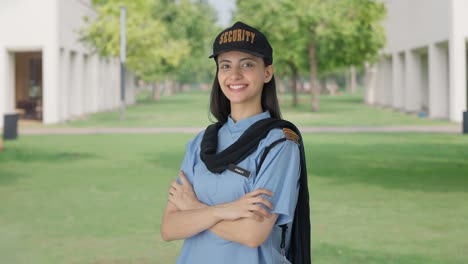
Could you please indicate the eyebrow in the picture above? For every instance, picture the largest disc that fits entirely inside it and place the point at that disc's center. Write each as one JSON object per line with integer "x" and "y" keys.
{"x": 243, "y": 59}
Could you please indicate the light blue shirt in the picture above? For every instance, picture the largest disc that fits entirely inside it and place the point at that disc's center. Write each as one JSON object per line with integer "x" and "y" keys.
{"x": 279, "y": 173}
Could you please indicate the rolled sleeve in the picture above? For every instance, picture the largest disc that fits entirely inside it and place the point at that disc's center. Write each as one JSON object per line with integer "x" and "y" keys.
{"x": 280, "y": 173}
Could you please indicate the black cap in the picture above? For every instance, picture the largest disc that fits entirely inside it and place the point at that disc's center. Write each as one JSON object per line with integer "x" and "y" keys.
{"x": 242, "y": 37}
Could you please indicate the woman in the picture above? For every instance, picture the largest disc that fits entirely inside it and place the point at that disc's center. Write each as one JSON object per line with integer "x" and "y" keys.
{"x": 242, "y": 192}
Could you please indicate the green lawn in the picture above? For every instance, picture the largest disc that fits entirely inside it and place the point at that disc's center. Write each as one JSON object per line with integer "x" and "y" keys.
{"x": 190, "y": 109}
{"x": 375, "y": 198}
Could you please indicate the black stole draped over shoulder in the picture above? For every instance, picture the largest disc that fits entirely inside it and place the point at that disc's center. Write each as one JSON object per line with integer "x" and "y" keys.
{"x": 299, "y": 248}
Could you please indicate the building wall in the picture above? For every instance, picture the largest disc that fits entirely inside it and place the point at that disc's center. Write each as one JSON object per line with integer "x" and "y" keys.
{"x": 75, "y": 81}
{"x": 457, "y": 59}
{"x": 25, "y": 26}
{"x": 427, "y": 42}
{"x": 415, "y": 23}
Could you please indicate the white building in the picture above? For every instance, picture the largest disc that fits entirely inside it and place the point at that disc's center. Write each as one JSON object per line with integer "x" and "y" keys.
{"x": 423, "y": 67}
{"x": 46, "y": 74}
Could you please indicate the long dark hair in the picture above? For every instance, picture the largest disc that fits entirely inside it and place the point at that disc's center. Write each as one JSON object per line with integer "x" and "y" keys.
{"x": 220, "y": 107}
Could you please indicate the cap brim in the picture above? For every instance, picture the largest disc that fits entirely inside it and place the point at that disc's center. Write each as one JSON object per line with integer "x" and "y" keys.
{"x": 238, "y": 49}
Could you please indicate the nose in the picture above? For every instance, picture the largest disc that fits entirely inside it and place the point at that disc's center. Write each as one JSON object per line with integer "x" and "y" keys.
{"x": 236, "y": 74}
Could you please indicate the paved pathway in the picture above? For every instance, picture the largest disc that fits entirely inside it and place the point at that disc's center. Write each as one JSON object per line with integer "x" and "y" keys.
{"x": 193, "y": 130}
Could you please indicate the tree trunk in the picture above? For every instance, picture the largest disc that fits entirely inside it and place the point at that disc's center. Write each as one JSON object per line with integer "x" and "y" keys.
{"x": 156, "y": 96}
{"x": 280, "y": 84}
{"x": 322, "y": 85}
{"x": 178, "y": 87}
{"x": 293, "y": 81}
{"x": 315, "y": 91}
{"x": 353, "y": 79}
{"x": 348, "y": 81}
{"x": 168, "y": 87}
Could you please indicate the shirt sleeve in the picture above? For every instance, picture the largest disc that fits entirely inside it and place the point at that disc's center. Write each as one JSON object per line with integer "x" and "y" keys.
{"x": 280, "y": 174}
{"x": 192, "y": 149}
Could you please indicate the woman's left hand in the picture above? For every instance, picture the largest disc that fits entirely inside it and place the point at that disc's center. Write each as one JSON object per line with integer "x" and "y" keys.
{"x": 183, "y": 196}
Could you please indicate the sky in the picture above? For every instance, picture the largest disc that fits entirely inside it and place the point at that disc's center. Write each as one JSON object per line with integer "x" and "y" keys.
{"x": 224, "y": 8}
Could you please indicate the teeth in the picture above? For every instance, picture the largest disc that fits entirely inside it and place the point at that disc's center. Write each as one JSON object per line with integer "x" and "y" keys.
{"x": 235, "y": 87}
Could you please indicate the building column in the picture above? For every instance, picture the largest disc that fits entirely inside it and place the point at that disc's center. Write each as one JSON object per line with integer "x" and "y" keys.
{"x": 51, "y": 84}
{"x": 7, "y": 83}
{"x": 398, "y": 81}
{"x": 72, "y": 85}
{"x": 94, "y": 82}
{"x": 102, "y": 85}
{"x": 380, "y": 82}
{"x": 457, "y": 60}
{"x": 106, "y": 87}
{"x": 116, "y": 82}
{"x": 438, "y": 82}
{"x": 114, "y": 85}
{"x": 370, "y": 83}
{"x": 412, "y": 92}
{"x": 64, "y": 85}
{"x": 86, "y": 95}
{"x": 78, "y": 85}
{"x": 388, "y": 82}
{"x": 3, "y": 82}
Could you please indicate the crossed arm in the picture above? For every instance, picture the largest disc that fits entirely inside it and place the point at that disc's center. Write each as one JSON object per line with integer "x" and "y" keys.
{"x": 243, "y": 221}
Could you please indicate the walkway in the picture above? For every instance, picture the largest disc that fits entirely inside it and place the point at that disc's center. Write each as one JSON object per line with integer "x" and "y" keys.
{"x": 193, "y": 130}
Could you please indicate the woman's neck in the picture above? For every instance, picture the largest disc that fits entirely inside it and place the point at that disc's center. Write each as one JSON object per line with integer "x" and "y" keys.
{"x": 240, "y": 111}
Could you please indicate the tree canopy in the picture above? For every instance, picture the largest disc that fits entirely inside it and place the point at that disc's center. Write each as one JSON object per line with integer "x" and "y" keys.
{"x": 173, "y": 37}
{"x": 164, "y": 37}
{"x": 318, "y": 36}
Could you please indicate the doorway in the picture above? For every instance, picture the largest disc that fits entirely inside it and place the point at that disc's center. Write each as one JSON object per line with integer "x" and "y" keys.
{"x": 28, "y": 85}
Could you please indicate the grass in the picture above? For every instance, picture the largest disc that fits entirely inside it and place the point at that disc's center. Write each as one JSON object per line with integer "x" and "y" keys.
{"x": 375, "y": 198}
{"x": 190, "y": 109}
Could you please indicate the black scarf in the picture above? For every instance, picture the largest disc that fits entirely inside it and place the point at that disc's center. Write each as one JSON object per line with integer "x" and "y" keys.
{"x": 299, "y": 249}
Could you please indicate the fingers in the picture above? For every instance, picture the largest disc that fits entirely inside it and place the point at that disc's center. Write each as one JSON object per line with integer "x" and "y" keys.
{"x": 262, "y": 200}
{"x": 183, "y": 178}
{"x": 256, "y": 216}
{"x": 175, "y": 185}
{"x": 254, "y": 197}
{"x": 260, "y": 191}
{"x": 259, "y": 210}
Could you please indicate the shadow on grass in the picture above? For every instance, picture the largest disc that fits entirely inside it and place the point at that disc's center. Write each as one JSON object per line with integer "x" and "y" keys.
{"x": 16, "y": 156}
{"x": 34, "y": 155}
{"x": 8, "y": 176}
{"x": 168, "y": 160}
{"x": 409, "y": 167}
{"x": 328, "y": 253}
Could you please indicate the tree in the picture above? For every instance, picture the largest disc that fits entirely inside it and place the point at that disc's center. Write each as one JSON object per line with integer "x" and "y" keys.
{"x": 149, "y": 47}
{"x": 195, "y": 23}
{"x": 165, "y": 38}
{"x": 330, "y": 34}
{"x": 283, "y": 34}
{"x": 341, "y": 33}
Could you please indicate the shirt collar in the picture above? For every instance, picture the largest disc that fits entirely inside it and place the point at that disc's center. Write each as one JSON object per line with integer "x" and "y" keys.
{"x": 242, "y": 125}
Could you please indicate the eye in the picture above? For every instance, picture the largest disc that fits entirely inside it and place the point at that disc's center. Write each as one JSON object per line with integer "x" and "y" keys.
{"x": 224, "y": 66}
{"x": 247, "y": 65}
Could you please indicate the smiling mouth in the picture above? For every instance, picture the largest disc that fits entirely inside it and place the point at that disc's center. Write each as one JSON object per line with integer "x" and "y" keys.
{"x": 237, "y": 86}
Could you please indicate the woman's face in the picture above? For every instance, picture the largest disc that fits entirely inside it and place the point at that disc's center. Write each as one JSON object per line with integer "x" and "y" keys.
{"x": 242, "y": 77}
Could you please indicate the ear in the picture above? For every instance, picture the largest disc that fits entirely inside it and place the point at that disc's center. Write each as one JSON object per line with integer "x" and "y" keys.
{"x": 269, "y": 70}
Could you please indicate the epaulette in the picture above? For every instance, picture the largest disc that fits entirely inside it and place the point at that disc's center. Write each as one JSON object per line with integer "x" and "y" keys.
{"x": 291, "y": 135}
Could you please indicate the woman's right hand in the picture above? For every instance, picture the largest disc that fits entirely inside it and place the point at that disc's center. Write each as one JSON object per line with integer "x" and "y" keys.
{"x": 248, "y": 206}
